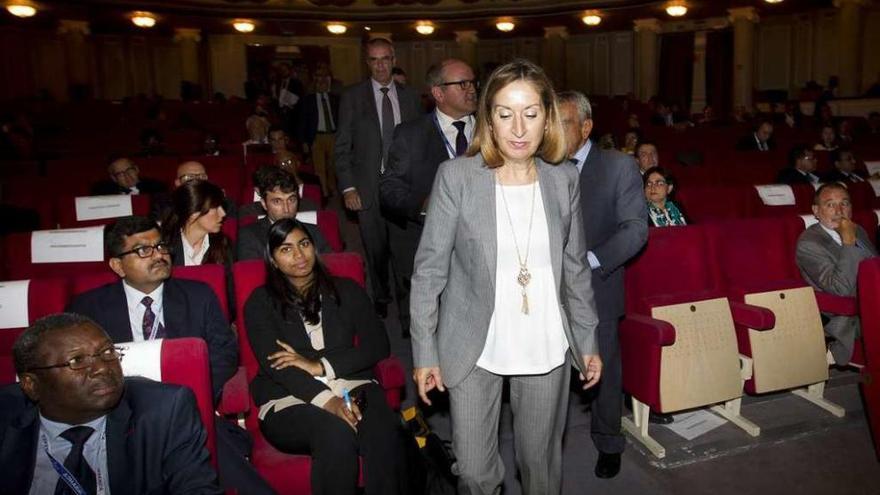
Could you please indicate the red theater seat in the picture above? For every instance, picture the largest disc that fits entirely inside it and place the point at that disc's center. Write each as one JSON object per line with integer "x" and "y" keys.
{"x": 869, "y": 294}
{"x": 45, "y": 296}
{"x": 17, "y": 263}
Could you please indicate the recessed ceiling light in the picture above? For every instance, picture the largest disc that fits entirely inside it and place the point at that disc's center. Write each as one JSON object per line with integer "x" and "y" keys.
{"x": 243, "y": 25}
{"x": 424, "y": 27}
{"x": 592, "y": 18}
{"x": 337, "y": 28}
{"x": 505, "y": 26}
{"x": 21, "y": 9}
{"x": 676, "y": 9}
{"x": 143, "y": 19}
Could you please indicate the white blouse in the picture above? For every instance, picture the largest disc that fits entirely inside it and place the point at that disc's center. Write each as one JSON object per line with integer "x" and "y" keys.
{"x": 518, "y": 343}
{"x": 191, "y": 257}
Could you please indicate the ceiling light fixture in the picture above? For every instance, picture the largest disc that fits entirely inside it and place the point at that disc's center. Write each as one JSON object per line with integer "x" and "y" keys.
{"x": 21, "y": 9}
{"x": 676, "y": 9}
{"x": 243, "y": 25}
{"x": 337, "y": 28}
{"x": 143, "y": 19}
{"x": 773, "y": 1}
{"x": 425, "y": 27}
{"x": 591, "y": 18}
{"x": 505, "y": 26}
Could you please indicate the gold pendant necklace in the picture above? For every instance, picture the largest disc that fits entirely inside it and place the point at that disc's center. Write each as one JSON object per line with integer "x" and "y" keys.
{"x": 524, "y": 276}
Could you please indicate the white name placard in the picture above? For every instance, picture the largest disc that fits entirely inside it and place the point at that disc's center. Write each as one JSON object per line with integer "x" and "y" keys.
{"x": 68, "y": 245}
{"x": 776, "y": 194}
{"x": 875, "y": 183}
{"x": 14, "y": 304}
{"x": 100, "y": 207}
{"x": 143, "y": 359}
{"x": 873, "y": 167}
{"x": 809, "y": 220}
{"x": 310, "y": 217}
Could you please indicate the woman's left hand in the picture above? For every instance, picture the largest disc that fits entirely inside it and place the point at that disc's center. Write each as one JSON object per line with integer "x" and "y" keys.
{"x": 289, "y": 357}
{"x": 593, "y": 366}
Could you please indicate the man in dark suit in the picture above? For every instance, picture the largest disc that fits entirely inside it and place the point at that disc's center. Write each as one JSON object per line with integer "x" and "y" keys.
{"x": 418, "y": 148}
{"x": 72, "y": 405}
{"x": 368, "y": 113}
{"x": 844, "y": 168}
{"x": 279, "y": 197}
{"x": 316, "y": 127}
{"x": 125, "y": 179}
{"x": 761, "y": 139}
{"x": 801, "y": 168}
{"x": 616, "y": 227}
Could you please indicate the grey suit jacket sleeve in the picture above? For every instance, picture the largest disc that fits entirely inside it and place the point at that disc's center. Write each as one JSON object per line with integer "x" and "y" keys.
{"x": 632, "y": 222}
{"x": 577, "y": 288}
{"x": 432, "y": 264}
{"x": 344, "y": 146}
{"x": 829, "y": 267}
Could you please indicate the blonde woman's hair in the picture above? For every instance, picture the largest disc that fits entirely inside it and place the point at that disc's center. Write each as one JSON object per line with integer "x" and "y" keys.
{"x": 552, "y": 149}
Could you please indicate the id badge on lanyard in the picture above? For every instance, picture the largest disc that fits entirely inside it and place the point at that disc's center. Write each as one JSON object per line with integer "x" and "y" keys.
{"x": 70, "y": 479}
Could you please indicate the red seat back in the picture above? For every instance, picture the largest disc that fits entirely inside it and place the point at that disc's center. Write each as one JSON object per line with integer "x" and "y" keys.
{"x": 45, "y": 296}
{"x": 17, "y": 263}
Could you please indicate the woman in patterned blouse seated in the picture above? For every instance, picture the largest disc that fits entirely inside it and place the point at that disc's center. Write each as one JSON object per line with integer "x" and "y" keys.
{"x": 658, "y": 188}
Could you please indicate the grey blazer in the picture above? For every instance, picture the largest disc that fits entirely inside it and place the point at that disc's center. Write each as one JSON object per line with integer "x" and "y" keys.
{"x": 358, "y": 149}
{"x": 453, "y": 286}
{"x": 828, "y": 266}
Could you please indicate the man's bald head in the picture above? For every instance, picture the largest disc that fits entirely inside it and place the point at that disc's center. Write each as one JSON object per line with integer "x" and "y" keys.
{"x": 188, "y": 172}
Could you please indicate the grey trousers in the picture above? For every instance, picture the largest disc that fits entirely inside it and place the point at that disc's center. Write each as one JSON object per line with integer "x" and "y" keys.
{"x": 539, "y": 406}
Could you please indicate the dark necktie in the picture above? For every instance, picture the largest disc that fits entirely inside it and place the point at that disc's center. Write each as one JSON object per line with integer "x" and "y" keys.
{"x": 150, "y": 320}
{"x": 574, "y": 161}
{"x": 76, "y": 463}
{"x": 387, "y": 124}
{"x": 461, "y": 143}
{"x": 328, "y": 117}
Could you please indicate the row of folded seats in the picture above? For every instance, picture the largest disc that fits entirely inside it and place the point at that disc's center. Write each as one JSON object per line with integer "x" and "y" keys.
{"x": 718, "y": 310}
{"x": 185, "y": 361}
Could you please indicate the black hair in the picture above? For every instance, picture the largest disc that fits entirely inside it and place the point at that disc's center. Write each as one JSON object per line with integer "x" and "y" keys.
{"x": 268, "y": 178}
{"x": 26, "y": 347}
{"x": 285, "y": 295}
{"x": 116, "y": 232}
{"x": 196, "y": 197}
{"x": 645, "y": 143}
{"x": 397, "y": 71}
{"x": 796, "y": 152}
{"x": 834, "y": 156}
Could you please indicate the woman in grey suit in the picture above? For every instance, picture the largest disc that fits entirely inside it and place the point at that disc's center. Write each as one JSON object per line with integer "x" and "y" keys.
{"x": 501, "y": 290}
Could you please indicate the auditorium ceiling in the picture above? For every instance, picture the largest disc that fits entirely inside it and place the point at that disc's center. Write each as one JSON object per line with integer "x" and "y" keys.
{"x": 308, "y": 17}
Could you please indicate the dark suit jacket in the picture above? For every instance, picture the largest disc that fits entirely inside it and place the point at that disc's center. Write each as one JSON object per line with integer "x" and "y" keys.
{"x": 145, "y": 186}
{"x": 307, "y": 121}
{"x": 837, "y": 176}
{"x": 789, "y": 175}
{"x": 417, "y": 150}
{"x": 749, "y": 143}
{"x": 190, "y": 310}
{"x": 615, "y": 221}
{"x": 252, "y": 239}
{"x": 155, "y": 441}
{"x": 358, "y": 150}
{"x": 352, "y": 317}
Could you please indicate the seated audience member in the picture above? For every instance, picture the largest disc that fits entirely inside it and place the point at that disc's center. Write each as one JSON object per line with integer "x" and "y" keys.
{"x": 72, "y": 406}
{"x": 279, "y": 139}
{"x": 844, "y": 168}
{"x": 646, "y": 156}
{"x": 288, "y": 161}
{"x": 279, "y": 196}
{"x": 740, "y": 115}
{"x": 302, "y": 326}
{"x": 874, "y": 124}
{"x": 761, "y": 139}
{"x": 210, "y": 146}
{"x": 801, "y": 165}
{"x": 606, "y": 141}
{"x": 257, "y": 124}
{"x": 791, "y": 115}
{"x": 828, "y": 255}
{"x": 845, "y": 132}
{"x": 707, "y": 118}
{"x": 193, "y": 226}
{"x": 152, "y": 143}
{"x": 630, "y": 141}
{"x": 824, "y": 115}
{"x": 125, "y": 179}
{"x": 662, "y": 115}
{"x": 662, "y": 211}
{"x": 188, "y": 171}
{"x": 827, "y": 139}
{"x": 632, "y": 121}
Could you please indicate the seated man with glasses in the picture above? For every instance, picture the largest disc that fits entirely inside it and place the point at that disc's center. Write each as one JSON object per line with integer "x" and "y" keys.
{"x": 801, "y": 167}
{"x": 187, "y": 171}
{"x": 73, "y": 424}
{"x": 125, "y": 179}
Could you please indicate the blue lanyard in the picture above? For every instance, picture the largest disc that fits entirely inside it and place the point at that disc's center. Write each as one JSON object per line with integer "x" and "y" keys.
{"x": 449, "y": 147}
{"x": 69, "y": 478}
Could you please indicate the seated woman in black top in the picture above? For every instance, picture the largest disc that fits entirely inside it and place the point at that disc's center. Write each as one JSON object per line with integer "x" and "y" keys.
{"x": 302, "y": 326}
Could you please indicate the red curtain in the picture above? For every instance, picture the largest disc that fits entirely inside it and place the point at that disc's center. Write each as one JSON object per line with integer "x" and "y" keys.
{"x": 677, "y": 69}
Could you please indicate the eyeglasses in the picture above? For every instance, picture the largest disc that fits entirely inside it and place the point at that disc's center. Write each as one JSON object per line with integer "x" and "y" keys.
{"x": 76, "y": 363}
{"x": 147, "y": 251}
{"x": 129, "y": 170}
{"x": 191, "y": 177}
{"x": 465, "y": 84}
{"x": 656, "y": 183}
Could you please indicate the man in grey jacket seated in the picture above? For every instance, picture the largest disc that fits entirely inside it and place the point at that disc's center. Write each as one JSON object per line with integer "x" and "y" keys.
{"x": 828, "y": 255}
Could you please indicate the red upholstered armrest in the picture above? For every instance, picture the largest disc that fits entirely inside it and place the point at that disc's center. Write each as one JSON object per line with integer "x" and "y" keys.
{"x": 838, "y": 305}
{"x": 642, "y": 339}
{"x": 236, "y": 396}
{"x": 754, "y": 317}
{"x": 649, "y": 330}
{"x": 389, "y": 373}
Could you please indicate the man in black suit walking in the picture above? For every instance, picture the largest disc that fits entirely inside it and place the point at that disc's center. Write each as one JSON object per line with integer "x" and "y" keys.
{"x": 73, "y": 413}
{"x": 368, "y": 113}
{"x": 616, "y": 227}
{"x": 418, "y": 148}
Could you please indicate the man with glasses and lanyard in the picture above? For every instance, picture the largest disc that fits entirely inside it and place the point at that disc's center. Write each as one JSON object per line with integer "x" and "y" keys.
{"x": 146, "y": 303}
{"x": 74, "y": 425}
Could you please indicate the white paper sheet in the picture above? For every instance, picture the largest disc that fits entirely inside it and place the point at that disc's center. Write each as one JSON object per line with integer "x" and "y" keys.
{"x": 100, "y": 207}
{"x": 691, "y": 425}
{"x": 68, "y": 245}
{"x": 875, "y": 183}
{"x": 873, "y": 167}
{"x": 809, "y": 220}
{"x": 877, "y": 212}
{"x": 14, "y": 304}
{"x": 310, "y": 217}
{"x": 776, "y": 194}
{"x": 143, "y": 359}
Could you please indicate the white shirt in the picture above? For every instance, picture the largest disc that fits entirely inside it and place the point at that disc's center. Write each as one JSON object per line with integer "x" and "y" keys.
{"x": 813, "y": 178}
{"x": 517, "y": 343}
{"x": 833, "y": 233}
{"x": 95, "y": 453}
{"x": 450, "y": 132}
{"x": 392, "y": 95}
{"x": 191, "y": 257}
{"x": 136, "y": 309}
{"x": 325, "y": 122}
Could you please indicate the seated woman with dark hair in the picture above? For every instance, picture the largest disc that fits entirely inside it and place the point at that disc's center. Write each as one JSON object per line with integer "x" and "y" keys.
{"x": 317, "y": 339}
{"x": 193, "y": 225}
{"x": 662, "y": 211}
